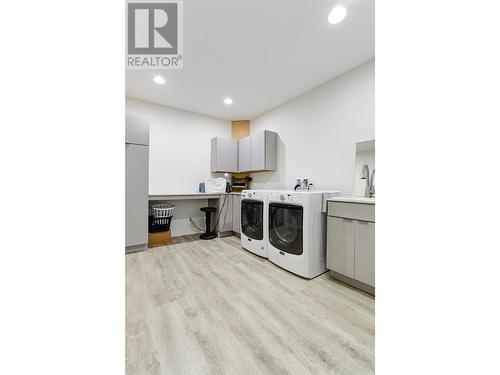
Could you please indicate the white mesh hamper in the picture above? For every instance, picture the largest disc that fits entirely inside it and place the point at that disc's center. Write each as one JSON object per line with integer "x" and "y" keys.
{"x": 162, "y": 210}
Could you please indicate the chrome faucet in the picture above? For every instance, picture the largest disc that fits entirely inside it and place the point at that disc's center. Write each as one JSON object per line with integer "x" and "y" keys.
{"x": 365, "y": 175}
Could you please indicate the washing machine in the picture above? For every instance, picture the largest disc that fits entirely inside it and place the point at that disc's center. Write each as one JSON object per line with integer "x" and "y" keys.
{"x": 297, "y": 231}
{"x": 254, "y": 221}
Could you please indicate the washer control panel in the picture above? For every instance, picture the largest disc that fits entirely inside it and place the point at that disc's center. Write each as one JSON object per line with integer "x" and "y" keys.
{"x": 253, "y": 194}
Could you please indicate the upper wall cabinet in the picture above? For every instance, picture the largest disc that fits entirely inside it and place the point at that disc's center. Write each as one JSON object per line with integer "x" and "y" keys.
{"x": 224, "y": 155}
{"x": 263, "y": 151}
{"x": 244, "y": 161}
{"x": 257, "y": 152}
{"x": 136, "y": 130}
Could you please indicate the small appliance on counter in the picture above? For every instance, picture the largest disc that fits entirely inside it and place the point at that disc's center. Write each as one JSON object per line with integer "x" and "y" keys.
{"x": 215, "y": 185}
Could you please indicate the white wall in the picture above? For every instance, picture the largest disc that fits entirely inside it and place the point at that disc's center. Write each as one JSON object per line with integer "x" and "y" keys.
{"x": 179, "y": 146}
{"x": 179, "y": 156}
{"x": 318, "y": 131}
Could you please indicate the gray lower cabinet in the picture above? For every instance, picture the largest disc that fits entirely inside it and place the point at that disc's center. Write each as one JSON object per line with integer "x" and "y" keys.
{"x": 351, "y": 243}
{"x": 340, "y": 245}
{"x": 364, "y": 267}
{"x": 226, "y": 213}
{"x": 236, "y": 213}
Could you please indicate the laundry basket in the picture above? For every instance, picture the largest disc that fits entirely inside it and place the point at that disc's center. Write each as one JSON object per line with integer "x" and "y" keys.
{"x": 160, "y": 217}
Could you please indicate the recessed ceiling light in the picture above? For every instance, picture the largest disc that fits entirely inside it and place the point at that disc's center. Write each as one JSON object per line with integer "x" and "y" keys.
{"x": 228, "y": 101}
{"x": 159, "y": 80}
{"x": 337, "y": 14}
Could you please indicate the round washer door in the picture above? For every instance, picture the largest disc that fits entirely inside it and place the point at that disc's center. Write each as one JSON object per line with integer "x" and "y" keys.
{"x": 286, "y": 227}
{"x": 252, "y": 217}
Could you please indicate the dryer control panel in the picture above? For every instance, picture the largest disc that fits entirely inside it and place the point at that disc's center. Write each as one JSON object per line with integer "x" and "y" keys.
{"x": 286, "y": 197}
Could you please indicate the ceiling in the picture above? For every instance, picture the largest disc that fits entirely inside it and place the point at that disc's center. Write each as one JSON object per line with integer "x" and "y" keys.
{"x": 260, "y": 53}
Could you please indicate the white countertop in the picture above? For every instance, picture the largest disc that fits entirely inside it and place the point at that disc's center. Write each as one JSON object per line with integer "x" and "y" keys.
{"x": 352, "y": 199}
{"x": 194, "y": 195}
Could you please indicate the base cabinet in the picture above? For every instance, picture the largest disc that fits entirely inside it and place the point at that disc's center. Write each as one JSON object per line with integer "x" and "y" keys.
{"x": 340, "y": 246}
{"x": 226, "y": 213}
{"x": 364, "y": 266}
{"x": 351, "y": 245}
{"x": 236, "y": 213}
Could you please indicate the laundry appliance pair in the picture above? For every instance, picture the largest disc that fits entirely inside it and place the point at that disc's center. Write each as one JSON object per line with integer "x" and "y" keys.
{"x": 287, "y": 227}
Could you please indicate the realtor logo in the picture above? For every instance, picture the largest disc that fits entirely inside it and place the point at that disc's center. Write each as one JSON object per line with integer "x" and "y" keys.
{"x": 154, "y": 34}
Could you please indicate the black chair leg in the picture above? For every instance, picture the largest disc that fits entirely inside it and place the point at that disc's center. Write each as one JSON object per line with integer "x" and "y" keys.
{"x": 208, "y": 235}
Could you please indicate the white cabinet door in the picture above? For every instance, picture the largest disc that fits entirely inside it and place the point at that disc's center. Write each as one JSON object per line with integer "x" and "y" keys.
{"x": 237, "y": 213}
{"x": 258, "y": 151}
{"x": 340, "y": 246}
{"x": 364, "y": 268}
{"x": 244, "y": 155}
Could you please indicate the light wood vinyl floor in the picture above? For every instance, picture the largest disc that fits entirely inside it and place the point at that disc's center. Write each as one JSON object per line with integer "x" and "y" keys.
{"x": 210, "y": 307}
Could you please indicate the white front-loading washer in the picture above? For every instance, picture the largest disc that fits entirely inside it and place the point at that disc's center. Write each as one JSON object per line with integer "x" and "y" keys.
{"x": 254, "y": 221}
{"x": 296, "y": 231}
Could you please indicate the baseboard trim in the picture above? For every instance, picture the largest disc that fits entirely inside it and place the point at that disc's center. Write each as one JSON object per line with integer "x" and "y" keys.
{"x": 176, "y": 240}
{"x": 226, "y": 234}
{"x": 355, "y": 283}
{"x": 135, "y": 248}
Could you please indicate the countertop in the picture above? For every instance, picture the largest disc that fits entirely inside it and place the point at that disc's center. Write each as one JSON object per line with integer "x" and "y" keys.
{"x": 194, "y": 195}
{"x": 352, "y": 199}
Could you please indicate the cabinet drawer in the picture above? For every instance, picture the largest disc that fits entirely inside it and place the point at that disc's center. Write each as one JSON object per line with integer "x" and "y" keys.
{"x": 357, "y": 211}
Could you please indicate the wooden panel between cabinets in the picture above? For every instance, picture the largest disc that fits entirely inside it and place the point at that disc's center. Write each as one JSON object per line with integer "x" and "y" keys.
{"x": 240, "y": 129}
